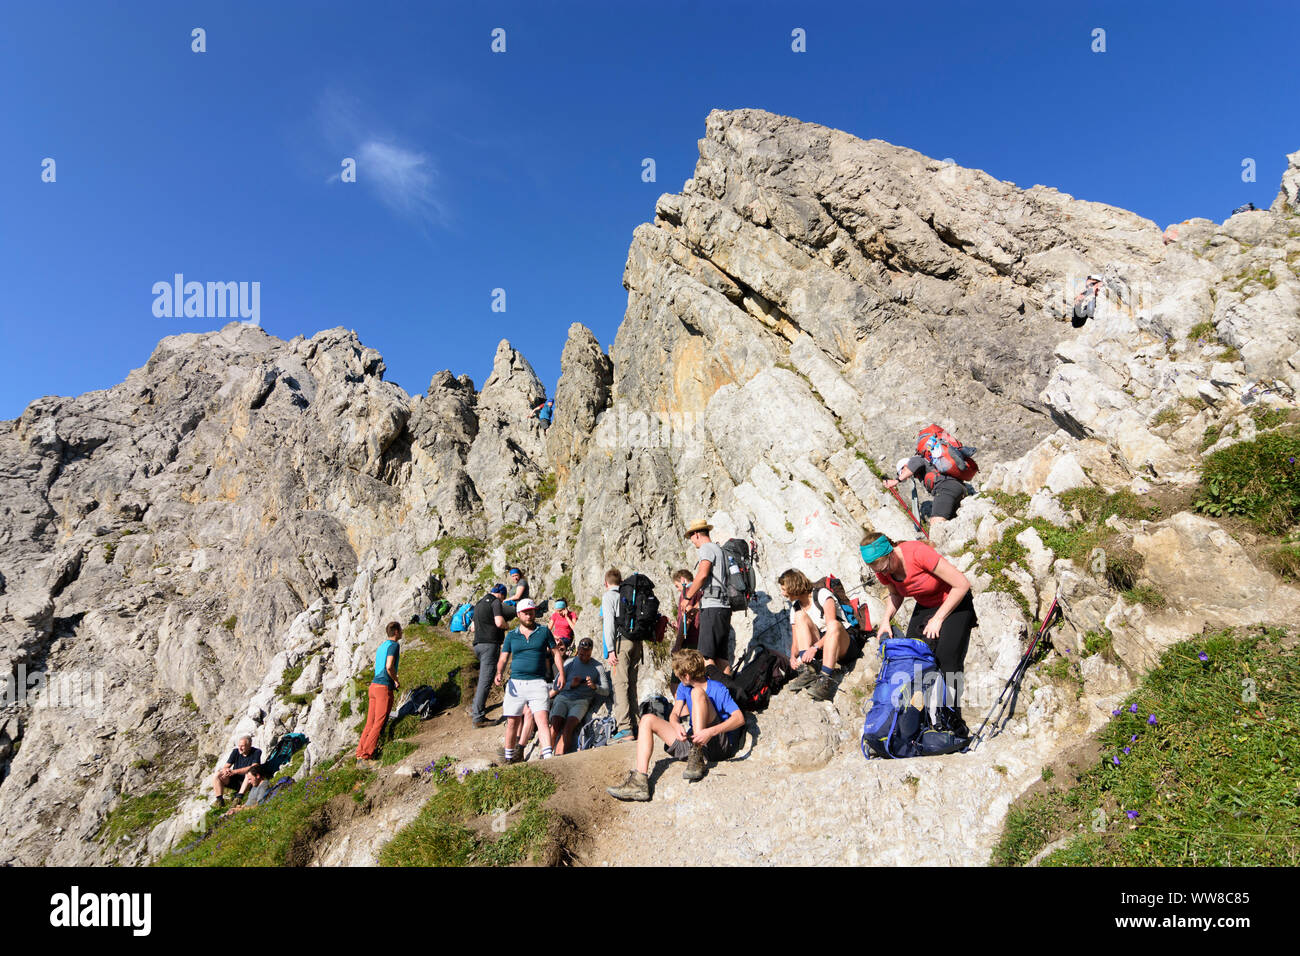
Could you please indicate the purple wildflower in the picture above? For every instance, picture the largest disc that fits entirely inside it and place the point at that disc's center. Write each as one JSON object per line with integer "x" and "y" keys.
{"x": 1132, "y": 814}
{"x": 1133, "y": 709}
{"x": 1114, "y": 713}
{"x": 1152, "y": 720}
{"x": 1115, "y": 761}
{"x": 1204, "y": 656}
{"x": 1133, "y": 739}
{"x": 1126, "y": 749}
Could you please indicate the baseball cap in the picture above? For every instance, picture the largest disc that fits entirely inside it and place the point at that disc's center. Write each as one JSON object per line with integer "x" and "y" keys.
{"x": 525, "y": 605}
{"x": 1097, "y": 277}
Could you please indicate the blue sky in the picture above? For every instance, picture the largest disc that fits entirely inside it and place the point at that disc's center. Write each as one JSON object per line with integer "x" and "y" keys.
{"x": 522, "y": 170}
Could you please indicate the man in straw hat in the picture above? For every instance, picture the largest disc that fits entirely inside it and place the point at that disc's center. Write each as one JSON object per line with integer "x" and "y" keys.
{"x": 710, "y": 588}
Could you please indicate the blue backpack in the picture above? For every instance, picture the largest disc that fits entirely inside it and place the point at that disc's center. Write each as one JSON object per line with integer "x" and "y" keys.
{"x": 460, "y": 621}
{"x": 894, "y": 728}
{"x": 283, "y": 752}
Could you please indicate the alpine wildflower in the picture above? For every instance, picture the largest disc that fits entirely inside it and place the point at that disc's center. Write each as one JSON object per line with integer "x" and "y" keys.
{"x": 1152, "y": 720}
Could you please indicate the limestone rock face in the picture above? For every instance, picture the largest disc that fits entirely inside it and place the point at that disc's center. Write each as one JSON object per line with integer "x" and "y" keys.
{"x": 242, "y": 506}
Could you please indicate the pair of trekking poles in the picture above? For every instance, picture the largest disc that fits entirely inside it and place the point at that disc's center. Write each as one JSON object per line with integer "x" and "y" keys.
{"x": 1005, "y": 706}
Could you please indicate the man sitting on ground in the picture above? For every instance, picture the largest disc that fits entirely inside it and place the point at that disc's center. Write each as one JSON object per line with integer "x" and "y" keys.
{"x": 585, "y": 678}
{"x": 259, "y": 784}
{"x": 714, "y": 717}
{"x": 233, "y": 773}
{"x": 816, "y": 627}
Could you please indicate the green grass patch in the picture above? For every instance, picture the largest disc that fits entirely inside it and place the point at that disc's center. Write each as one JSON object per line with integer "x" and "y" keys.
{"x": 188, "y": 703}
{"x": 1145, "y": 595}
{"x": 1258, "y": 480}
{"x": 397, "y": 751}
{"x": 264, "y": 835}
{"x": 1009, "y": 505}
{"x": 457, "y": 827}
{"x": 229, "y": 623}
{"x": 138, "y": 815}
{"x": 1201, "y": 330}
{"x": 1098, "y": 642}
{"x": 1212, "y": 434}
{"x": 563, "y": 589}
{"x": 1166, "y": 416}
{"x": 474, "y": 548}
{"x": 546, "y": 487}
{"x": 1266, "y": 418}
{"x": 1285, "y": 561}
{"x": 788, "y": 526}
{"x": 1211, "y": 781}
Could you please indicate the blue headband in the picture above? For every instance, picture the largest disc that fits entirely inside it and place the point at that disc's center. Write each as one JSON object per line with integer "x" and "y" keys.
{"x": 876, "y": 549}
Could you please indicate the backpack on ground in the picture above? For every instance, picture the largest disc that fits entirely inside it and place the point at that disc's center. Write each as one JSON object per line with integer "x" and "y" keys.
{"x": 283, "y": 752}
{"x": 422, "y": 702}
{"x": 436, "y": 610}
{"x": 741, "y": 581}
{"x": 597, "y": 728}
{"x": 637, "y": 617}
{"x": 948, "y": 456}
{"x": 895, "y": 727}
{"x": 756, "y": 680}
{"x": 460, "y": 621}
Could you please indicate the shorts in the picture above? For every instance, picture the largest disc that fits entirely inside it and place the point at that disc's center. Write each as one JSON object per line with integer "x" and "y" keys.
{"x": 534, "y": 693}
{"x": 563, "y": 706}
{"x": 721, "y": 747}
{"x": 948, "y": 493}
{"x": 715, "y": 633}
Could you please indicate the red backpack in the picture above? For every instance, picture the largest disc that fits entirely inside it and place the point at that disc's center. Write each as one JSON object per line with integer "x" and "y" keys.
{"x": 948, "y": 456}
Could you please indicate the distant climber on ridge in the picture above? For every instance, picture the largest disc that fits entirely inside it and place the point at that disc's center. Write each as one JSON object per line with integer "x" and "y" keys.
{"x": 1085, "y": 303}
{"x": 544, "y": 412}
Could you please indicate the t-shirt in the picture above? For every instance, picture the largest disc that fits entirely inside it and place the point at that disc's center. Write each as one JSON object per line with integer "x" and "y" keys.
{"x": 718, "y": 695}
{"x": 562, "y": 626}
{"x": 819, "y": 599}
{"x": 547, "y": 411}
{"x": 593, "y": 669}
{"x": 486, "y": 611}
{"x": 715, "y": 590}
{"x": 528, "y": 660}
{"x": 523, "y": 583}
{"x": 257, "y": 794}
{"x": 608, "y": 610}
{"x": 919, "y": 581}
{"x": 381, "y": 662}
{"x": 238, "y": 762}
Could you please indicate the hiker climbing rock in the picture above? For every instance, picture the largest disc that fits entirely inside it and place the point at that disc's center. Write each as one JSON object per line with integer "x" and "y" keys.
{"x": 944, "y": 466}
{"x": 382, "y": 688}
{"x": 715, "y": 720}
{"x": 1085, "y": 303}
{"x": 545, "y": 412}
{"x": 944, "y": 613}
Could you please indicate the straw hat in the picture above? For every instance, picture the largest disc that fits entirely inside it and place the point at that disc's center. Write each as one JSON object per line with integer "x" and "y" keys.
{"x": 697, "y": 526}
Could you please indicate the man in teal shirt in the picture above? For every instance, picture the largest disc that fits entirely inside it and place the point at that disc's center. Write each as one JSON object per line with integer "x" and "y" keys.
{"x": 382, "y": 689}
{"x": 528, "y": 644}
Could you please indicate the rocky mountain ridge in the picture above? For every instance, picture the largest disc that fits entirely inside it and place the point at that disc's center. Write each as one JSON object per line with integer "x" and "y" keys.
{"x": 242, "y": 506}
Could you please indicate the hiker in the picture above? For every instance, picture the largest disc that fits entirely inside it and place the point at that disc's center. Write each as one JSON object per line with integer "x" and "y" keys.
{"x": 817, "y": 625}
{"x": 526, "y": 647}
{"x": 561, "y": 623}
{"x": 518, "y": 591}
{"x": 382, "y": 689}
{"x": 623, "y": 657}
{"x": 715, "y": 719}
{"x": 946, "y": 491}
{"x": 233, "y": 773}
{"x": 489, "y": 632}
{"x": 1085, "y": 303}
{"x": 585, "y": 679}
{"x": 687, "y": 622}
{"x": 259, "y": 784}
{"x": 944, "y": 614}
{"x": 710, "y": 587}
{"x": 545, "y": 412}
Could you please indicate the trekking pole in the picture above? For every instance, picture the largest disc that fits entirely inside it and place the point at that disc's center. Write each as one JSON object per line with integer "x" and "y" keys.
{"x": 894, "y": 492}
{"x": 1007, "y": 706}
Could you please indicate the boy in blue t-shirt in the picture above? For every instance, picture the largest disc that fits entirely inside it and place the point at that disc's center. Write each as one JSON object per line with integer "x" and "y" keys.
{"x": 715, "y": 719}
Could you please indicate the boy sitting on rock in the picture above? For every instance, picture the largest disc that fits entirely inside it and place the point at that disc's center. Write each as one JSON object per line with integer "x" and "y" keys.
{"x": 715, "y": 721}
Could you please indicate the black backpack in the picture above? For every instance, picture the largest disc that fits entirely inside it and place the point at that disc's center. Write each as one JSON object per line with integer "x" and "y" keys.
{"x": 638, "y": 609}
{"x": 754, "y": 684}
{"x": 741, "y": 582}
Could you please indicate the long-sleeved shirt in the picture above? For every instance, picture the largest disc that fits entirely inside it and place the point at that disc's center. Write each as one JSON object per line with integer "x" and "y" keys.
{"x": 608, "y": 609}
{"x": 593, "y": 669}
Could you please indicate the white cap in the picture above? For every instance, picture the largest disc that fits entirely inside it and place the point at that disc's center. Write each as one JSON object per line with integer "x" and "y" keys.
{"x": 902, "y": 463}
{"x": 526, "y": 604}
{"x": 1097, "y": 277}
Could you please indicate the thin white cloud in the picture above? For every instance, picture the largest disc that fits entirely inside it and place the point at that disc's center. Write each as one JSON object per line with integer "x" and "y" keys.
{"x": 403, "y": 179}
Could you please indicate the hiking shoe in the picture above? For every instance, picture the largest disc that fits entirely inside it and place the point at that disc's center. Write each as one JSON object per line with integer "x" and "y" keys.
{"x": 635, "y": 787}
{"x": 621, "y": 735}
{"x": 695, "y": 764}
{"x": 481, "y": 723}
{"x": 823, "y": 689}
{"x": 808, "y": 672}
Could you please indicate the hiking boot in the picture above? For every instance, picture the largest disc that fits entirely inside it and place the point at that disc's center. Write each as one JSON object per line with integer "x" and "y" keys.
{"x": 220, "y": 803}
{"x": 695, "y": 764}
{"x": 823, "y": 689}
{"x": 950, "y": 720}
{"x": 635, "y": 787}
{"x": 808, "y": 672}
{"x": 622, "y": 735}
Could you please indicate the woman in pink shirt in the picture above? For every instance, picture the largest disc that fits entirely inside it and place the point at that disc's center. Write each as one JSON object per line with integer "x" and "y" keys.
{"x": 944, "y": 614}
{"x": 562, "y": 621}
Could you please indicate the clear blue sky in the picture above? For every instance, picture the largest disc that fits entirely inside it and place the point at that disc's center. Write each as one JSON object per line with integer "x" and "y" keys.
{"x": 522, "y": 170}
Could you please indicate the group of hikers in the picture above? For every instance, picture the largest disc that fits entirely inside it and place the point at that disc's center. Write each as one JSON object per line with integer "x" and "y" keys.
{"x": 552, "y": 681}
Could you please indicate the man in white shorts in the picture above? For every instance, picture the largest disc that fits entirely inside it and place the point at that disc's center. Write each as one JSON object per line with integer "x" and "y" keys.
{"x": 526, "y": 647}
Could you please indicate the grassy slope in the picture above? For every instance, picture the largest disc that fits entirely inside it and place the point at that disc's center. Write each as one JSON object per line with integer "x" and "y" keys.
{"x": 1211, "y": 781}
